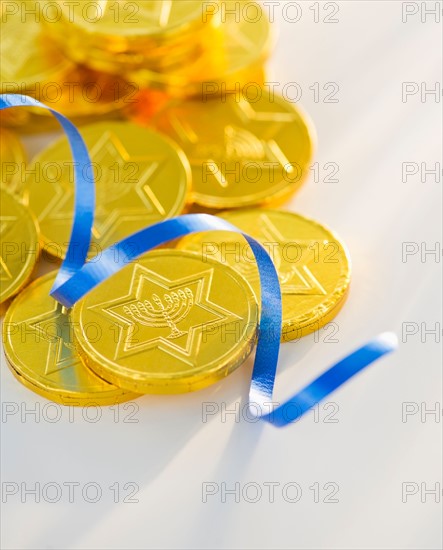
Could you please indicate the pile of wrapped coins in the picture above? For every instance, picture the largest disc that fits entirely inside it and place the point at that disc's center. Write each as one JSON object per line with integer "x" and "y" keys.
{"x": 169, "y": 97}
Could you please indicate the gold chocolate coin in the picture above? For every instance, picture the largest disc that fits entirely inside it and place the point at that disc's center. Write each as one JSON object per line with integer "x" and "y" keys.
{"x": 243, "y": 152}
{"x": 313, "y": 265}
{"x": 12, "y": 156}
{"x": 122, "y": 36}
{"x": 39, "y": 348}
{"x": 19, "y": 245}
{"x": 170, "y": 323}
{"x": 141, "y": 178}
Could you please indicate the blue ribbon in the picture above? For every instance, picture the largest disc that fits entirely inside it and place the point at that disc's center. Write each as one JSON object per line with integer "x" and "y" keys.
{"x": 84, "y": 203}
{"x": 268, "y": 344}
{"x": 76, "y": 278}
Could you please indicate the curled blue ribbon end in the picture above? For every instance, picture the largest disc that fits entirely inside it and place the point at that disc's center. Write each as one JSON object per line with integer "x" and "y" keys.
{"x": 320, "y": 388}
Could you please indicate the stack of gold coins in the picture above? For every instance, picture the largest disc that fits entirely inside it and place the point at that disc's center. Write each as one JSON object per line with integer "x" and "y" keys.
{"x": 233, "y": 58}
{"x": 128, "y": 36}
{"x": 177, "y": 47}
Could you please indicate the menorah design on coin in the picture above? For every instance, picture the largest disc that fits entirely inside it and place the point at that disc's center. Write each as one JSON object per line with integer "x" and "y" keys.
{"x": 167, "y": 313}
{"x": 240, "y": 144}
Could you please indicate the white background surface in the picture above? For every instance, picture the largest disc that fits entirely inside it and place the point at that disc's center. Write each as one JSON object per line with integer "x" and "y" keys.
{"x": 370, "y": 452}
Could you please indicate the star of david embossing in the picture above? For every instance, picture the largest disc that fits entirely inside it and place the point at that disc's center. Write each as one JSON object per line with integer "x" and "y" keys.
{"x": 6, "y": 223}
{"x": 55, "y": 328}
{"x": 295, "y": 278}
{"x": 140, "y": 201}
{"x": 239, "y": 144}
{"x": 170, "y": 315}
